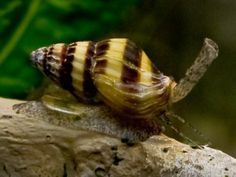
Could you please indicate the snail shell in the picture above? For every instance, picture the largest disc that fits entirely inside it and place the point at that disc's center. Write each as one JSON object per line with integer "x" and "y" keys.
{"x": 115, "y": 71}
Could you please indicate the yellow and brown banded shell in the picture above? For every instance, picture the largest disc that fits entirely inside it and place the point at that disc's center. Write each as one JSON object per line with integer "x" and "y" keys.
{"x": 127, "y": 80}
{"x": 69, "y": 66}
{"x": 116, "y": 70}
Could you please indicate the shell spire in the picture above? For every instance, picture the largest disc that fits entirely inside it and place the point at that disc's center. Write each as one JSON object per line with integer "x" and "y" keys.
{"x": 68, "y": 66}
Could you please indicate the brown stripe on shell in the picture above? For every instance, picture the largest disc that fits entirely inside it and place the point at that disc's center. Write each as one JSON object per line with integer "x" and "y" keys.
{"x": 51, "y": 62}
{"x": 50, "y": 51}
{"x": 101, "y": 66}
{"x": 100, "y": 49}
{"x": 132, "y": 61}
{"x": 67, "y": 56}
{"x": 70, "y": 50}
{"x": 89, "y": 88}
{"x": 47, "y": 57}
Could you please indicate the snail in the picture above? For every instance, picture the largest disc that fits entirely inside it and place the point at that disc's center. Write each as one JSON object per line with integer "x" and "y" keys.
{"x": 120, "y": 74}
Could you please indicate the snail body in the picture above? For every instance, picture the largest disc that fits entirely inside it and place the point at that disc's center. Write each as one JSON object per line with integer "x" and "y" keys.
{"x": 119, "y": 73}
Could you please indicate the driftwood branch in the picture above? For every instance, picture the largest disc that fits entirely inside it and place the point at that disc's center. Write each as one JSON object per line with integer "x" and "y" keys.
{"x": 36, "y": 142}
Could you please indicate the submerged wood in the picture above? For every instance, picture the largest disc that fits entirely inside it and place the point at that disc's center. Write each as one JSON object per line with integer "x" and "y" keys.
{"x": 37, "y": 142}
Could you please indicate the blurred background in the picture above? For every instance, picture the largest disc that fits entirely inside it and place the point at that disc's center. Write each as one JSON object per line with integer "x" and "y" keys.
{"x": 171, "y": 32}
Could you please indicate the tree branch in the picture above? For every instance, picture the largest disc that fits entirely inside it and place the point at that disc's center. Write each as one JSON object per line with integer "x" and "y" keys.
{"x": 35, "y": 141}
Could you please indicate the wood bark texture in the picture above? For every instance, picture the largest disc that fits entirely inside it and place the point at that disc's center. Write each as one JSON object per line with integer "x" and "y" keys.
{"x": 35, "y": 141}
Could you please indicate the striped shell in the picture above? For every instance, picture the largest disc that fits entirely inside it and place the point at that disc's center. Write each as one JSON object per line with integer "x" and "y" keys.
{"x": 114, "y": 71}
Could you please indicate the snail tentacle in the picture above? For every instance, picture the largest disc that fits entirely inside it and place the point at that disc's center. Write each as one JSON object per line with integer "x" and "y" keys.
{"x": 207, "y": 55}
